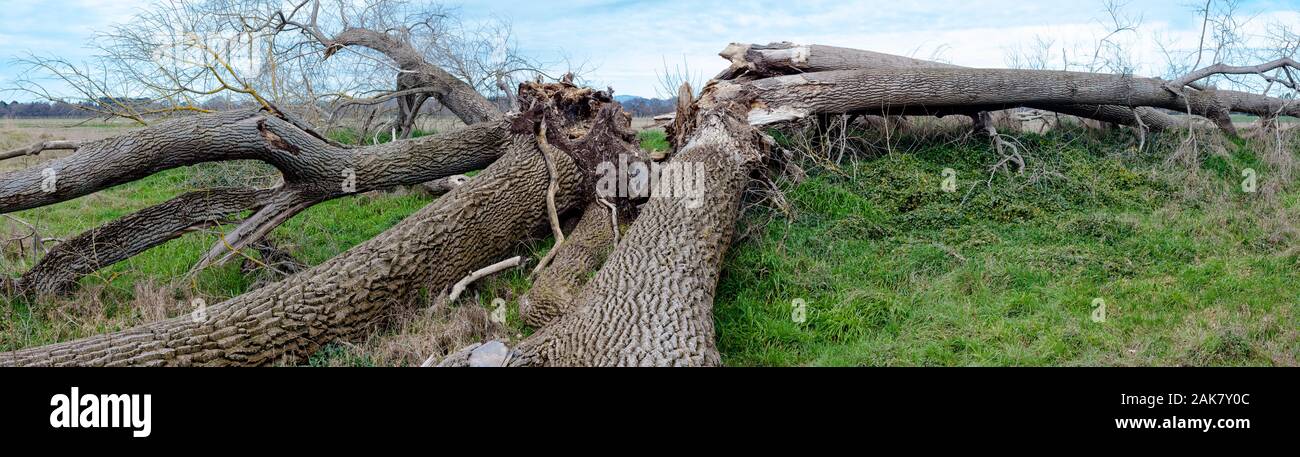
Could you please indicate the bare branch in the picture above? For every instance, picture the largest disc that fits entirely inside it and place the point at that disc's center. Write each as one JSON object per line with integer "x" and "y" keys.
{"x": 40, "y": 147}
{"x": 460, "y": 286}
{"x": 1223, "y": 69}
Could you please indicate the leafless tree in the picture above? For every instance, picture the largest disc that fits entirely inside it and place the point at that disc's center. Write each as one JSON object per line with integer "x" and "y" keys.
{"x": 319, "y": 60}
{"x": 672, "y": 77}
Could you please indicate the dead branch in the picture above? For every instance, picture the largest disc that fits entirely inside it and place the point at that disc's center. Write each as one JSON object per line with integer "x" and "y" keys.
{"x": 39, "y": 148}
{"x": 1224, "y": 69}
{"x": 314, "y": 171}
{"x": 460, "y": 286}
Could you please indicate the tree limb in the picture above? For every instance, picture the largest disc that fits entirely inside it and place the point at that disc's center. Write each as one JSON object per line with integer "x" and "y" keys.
{"x": 39, "y": 148}
{"x": 1224, "y": 69}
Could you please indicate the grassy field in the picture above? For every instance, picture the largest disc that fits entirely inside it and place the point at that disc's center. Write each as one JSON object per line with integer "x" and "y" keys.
{"x": 894, "y": 271}
{"x": 891, "y": 268}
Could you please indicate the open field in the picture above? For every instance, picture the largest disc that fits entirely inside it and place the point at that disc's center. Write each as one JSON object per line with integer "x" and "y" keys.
{"x": 16, "y": 133}
{"x": 892, "y": 269}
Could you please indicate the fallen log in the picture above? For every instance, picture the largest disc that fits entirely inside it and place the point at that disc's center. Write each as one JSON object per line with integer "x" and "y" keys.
{"x": 652, "y": 301}
{"x": 472, "y": 225}
{"x": 777, "y": 59}
{"x": 313, "y": 169}
{"x": 784, "y": 98}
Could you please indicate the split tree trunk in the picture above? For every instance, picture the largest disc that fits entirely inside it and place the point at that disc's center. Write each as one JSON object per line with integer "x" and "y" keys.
{"x": 554, "y": 292}
{"x": 896, "y": 91}
{"x": 652, "y": 302}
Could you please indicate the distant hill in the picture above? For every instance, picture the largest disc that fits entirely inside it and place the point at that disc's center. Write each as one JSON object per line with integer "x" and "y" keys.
{"x": 644, "y": 107}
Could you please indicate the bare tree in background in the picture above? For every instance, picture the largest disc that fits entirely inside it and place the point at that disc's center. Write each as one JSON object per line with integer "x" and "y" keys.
{"x": 321, "y": 60}
{"x": 672, "y": 78}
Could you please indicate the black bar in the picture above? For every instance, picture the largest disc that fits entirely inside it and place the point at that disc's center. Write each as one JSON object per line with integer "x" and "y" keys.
{"x": 306, "y": 406}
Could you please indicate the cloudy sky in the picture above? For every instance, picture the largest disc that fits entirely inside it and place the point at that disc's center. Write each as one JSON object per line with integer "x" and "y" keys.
{"x": 627, "y": 42}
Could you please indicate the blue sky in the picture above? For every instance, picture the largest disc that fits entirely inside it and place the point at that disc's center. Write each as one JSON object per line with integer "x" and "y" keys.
{"x": 626, "y": 41}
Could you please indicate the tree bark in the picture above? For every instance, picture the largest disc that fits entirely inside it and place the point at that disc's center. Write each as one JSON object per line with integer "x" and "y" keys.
{"x": 652, "y": 302}
{"x": 314, "y": 171}
{"x": 850, "y": 91}
{"x": 471, "y": 226}
{"x": 788, "y": 58}
{"x": 121, "y": 239}
{"x": 302, "y": 158}
{"x": 554, "y": 291}
{"x": 459, "y": 97}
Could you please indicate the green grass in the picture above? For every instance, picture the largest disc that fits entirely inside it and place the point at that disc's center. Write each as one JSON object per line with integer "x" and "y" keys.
{"x": 313, "y": 237}
{"x": 893, "y": 270}
{"x": 348, "y": 135}
{"x": 1246, "y": 118}
{"x": 653, "y": 140}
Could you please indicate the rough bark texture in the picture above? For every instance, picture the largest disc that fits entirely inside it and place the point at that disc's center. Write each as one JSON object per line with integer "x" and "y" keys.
{"x": 459, "y": 97}
{"x": 851, "y": 91}
{"x": 556, "y": 288}
{"x": 469, "y": 227}
{"x": 314, "y": 171}
{"x": 253, "y": 135}
{"x": 652, "y": 302}
{"x": 121, "y": 239}
{"x": 788, "y": 58}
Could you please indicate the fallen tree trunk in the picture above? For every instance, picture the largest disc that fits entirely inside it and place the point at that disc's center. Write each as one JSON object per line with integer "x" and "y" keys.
{"x": 471, "y": 226}
{"x": 790, "y": 97}
{"x": 777, "y": 59}
{"x": 289, "y": 320}
{"x": 314, "y": 171}
{"x": 122, "y": 239}
{"x": 554, "y": 291}
{"x": 652, "y": 302}
{"x": 249, "y": 135}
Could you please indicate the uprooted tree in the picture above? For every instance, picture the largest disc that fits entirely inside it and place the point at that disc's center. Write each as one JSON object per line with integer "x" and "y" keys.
{"x": 632, "y": 283}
